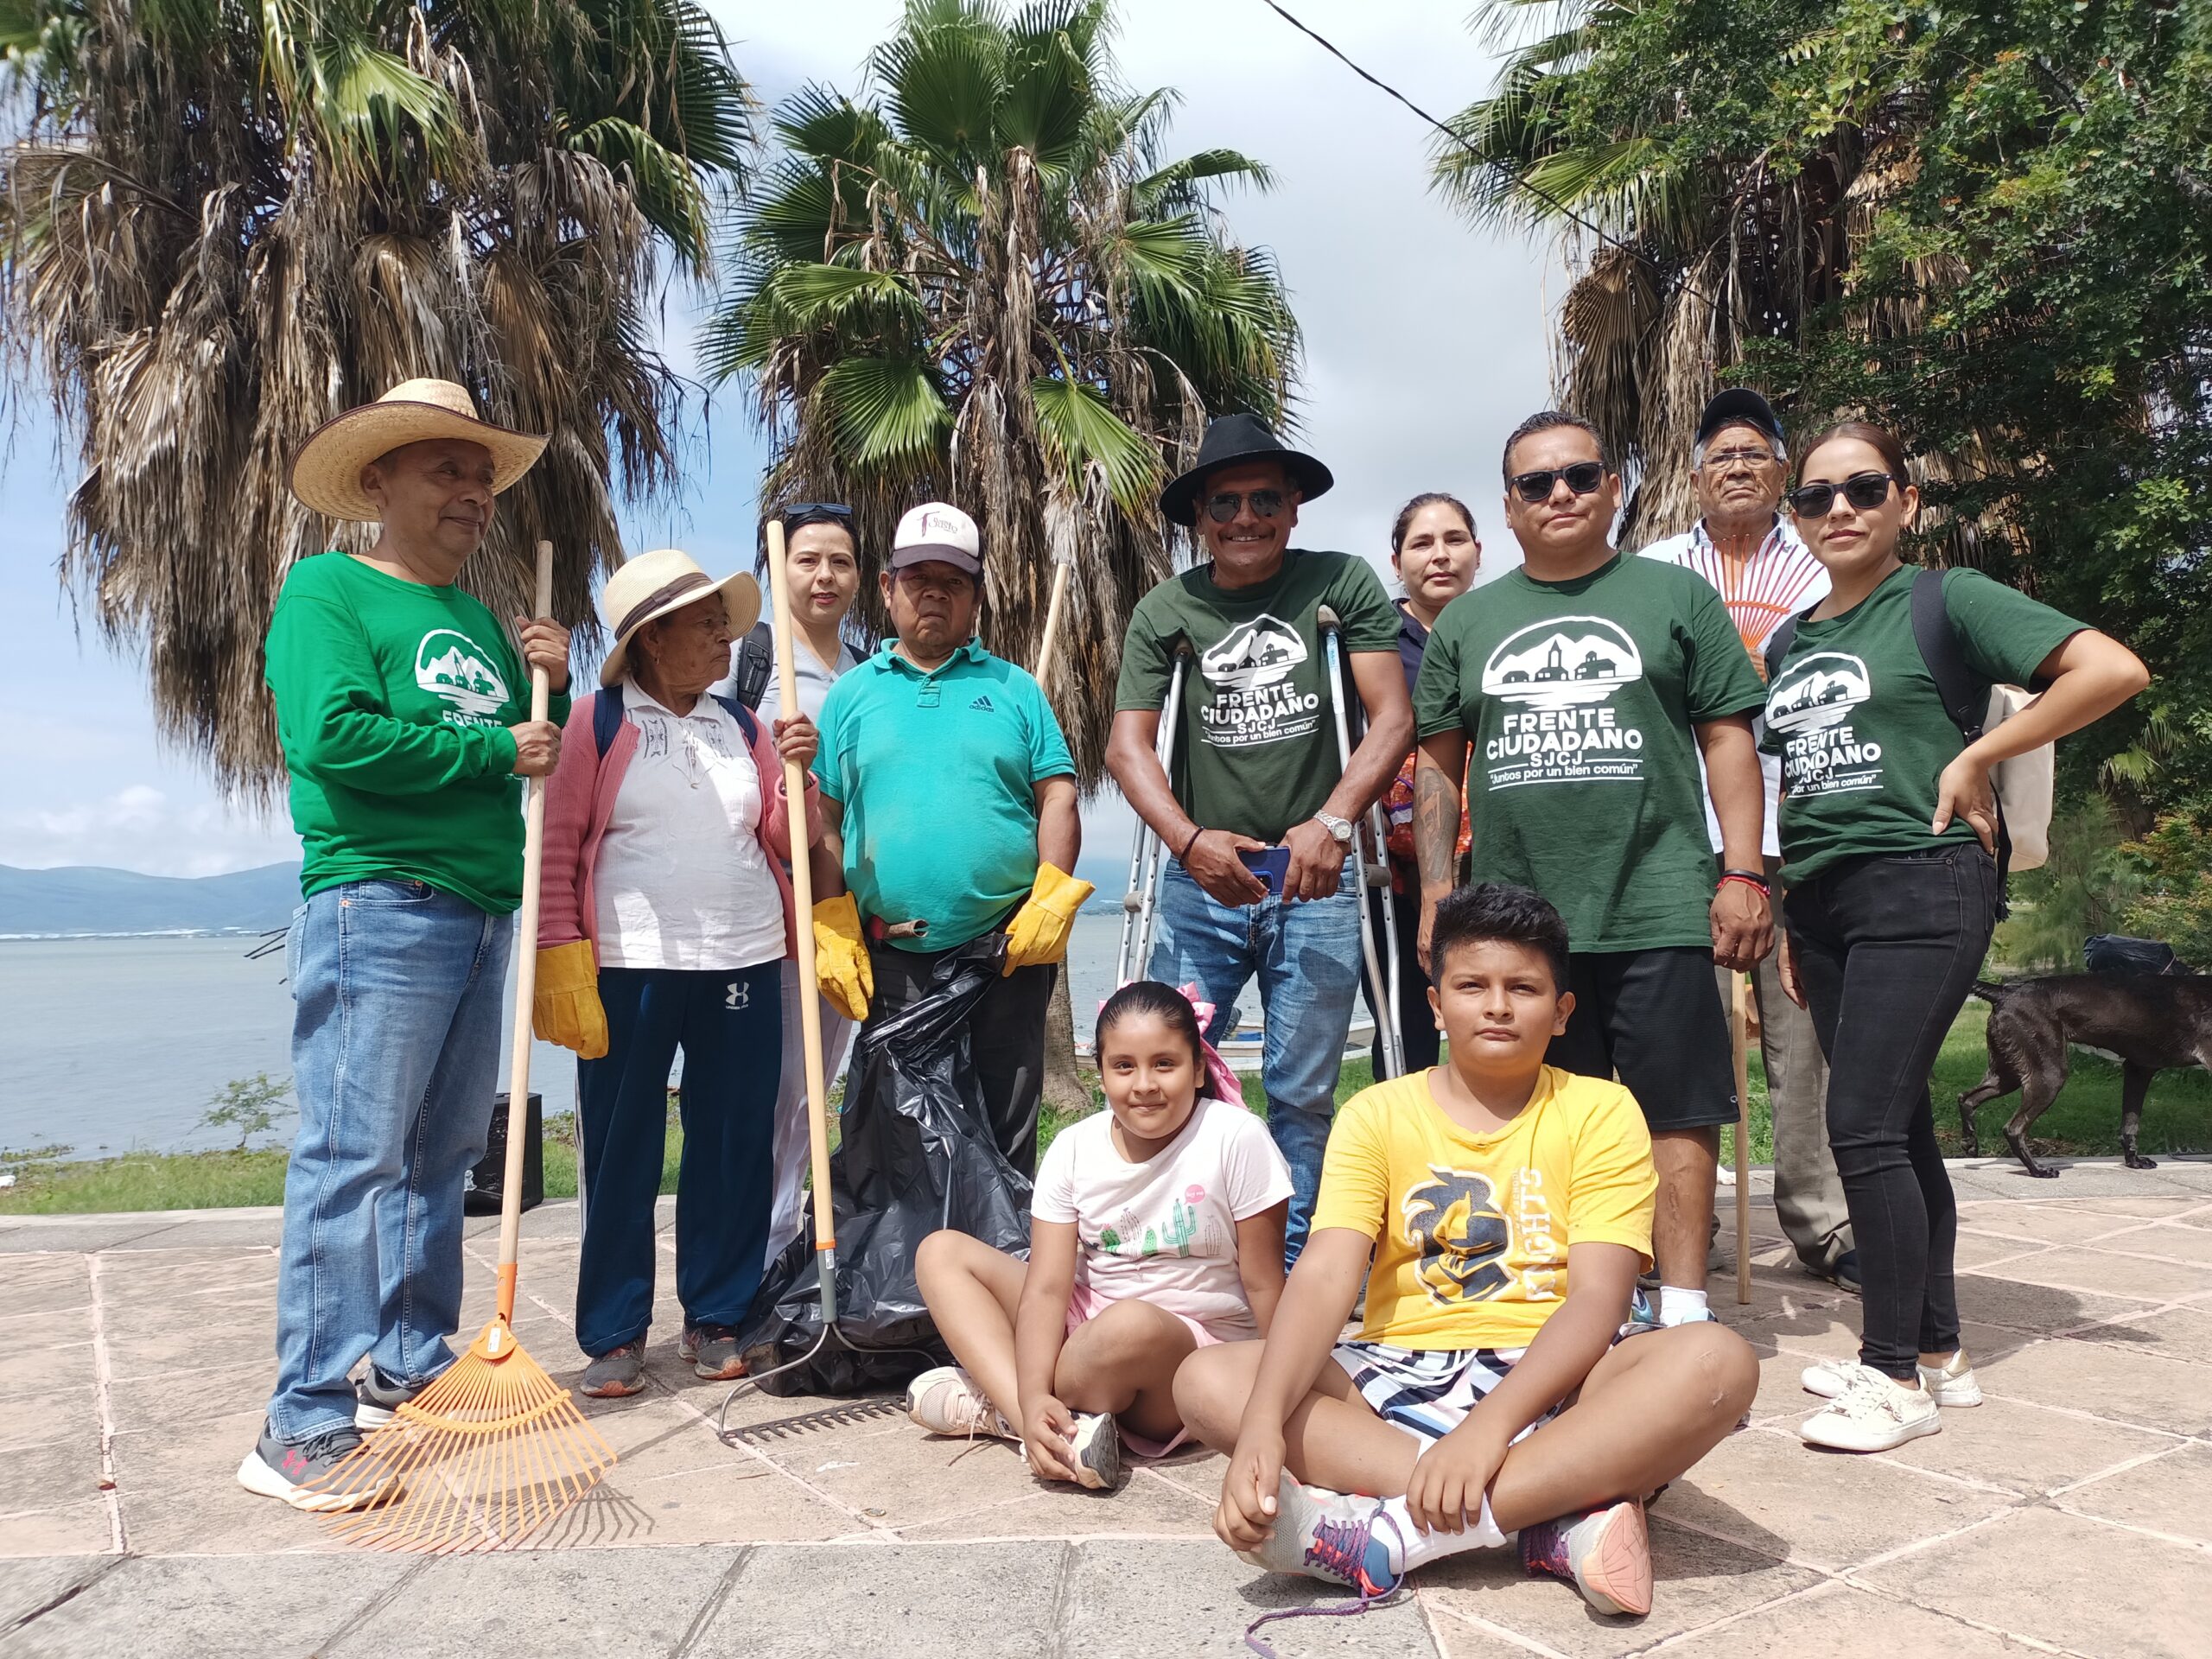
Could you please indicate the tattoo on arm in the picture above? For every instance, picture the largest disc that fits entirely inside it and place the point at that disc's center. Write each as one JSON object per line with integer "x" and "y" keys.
{"x": 1436, "y": 825}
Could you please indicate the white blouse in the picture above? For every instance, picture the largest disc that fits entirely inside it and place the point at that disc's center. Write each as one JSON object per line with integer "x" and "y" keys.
{"x": 681, "y": 881}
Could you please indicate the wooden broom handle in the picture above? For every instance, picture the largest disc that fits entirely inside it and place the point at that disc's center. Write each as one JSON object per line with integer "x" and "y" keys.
{"x": 533, "y": 864}
{"x": 1739, "y": 1033}
{"x": 1051, "y": 625}
{"x": 810, "y": 1000}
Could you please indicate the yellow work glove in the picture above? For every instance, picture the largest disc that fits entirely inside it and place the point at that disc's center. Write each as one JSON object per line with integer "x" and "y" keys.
{"x": 567, "y": 1009}
{"x": 840, "y": 964}
{"x": 1038, "y": 933}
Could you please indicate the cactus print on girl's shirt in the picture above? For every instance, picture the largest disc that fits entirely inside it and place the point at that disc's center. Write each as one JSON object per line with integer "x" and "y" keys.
{"x": 1164, "y": 1231}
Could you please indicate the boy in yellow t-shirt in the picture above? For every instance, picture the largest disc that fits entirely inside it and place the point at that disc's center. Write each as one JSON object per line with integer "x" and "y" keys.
{"x": 1500, "y": 1209}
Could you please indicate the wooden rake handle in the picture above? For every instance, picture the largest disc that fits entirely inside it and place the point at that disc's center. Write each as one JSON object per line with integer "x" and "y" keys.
{"x": 810, "y": 1001}
{"x": 533, "y": 865}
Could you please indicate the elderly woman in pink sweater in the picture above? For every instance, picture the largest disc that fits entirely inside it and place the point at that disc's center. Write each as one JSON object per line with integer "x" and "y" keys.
{"x": 666, "y": 916}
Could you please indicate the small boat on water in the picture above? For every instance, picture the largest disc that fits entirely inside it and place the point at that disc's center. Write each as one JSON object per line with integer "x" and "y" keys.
{"x": 1244, "y": 1045}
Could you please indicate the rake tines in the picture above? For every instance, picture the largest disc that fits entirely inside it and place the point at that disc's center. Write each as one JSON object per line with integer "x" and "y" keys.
{"x": 480, "y": 1460}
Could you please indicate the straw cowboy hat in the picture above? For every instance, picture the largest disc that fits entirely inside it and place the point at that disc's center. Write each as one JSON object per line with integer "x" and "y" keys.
{"x": 653, "y": 584}
{"x": 327, "y": 471}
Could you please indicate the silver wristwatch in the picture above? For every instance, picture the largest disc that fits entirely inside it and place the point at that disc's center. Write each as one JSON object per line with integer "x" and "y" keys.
{"x": 1340, "y": 828}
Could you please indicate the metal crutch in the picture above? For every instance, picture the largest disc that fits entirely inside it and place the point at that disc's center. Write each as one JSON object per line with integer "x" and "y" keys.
{"x": 1385, "y": 989}
{"x": 1148, "y": 857}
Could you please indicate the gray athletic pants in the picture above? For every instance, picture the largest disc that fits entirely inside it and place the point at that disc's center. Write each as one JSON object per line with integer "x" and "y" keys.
{"x": 1808, "y": 1192}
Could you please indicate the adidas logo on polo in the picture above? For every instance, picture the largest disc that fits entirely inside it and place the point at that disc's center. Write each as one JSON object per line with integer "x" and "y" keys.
{"x": 982, "y": 702}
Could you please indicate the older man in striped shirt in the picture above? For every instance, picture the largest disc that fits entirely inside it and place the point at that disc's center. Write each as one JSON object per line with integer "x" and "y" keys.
{"x": 1743, "y": 545}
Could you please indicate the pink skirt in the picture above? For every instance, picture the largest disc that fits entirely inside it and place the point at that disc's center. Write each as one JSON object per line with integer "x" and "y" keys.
{"x": 1085, "y": 1304}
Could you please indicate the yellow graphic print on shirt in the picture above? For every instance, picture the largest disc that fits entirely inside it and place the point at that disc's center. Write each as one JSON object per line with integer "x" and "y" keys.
{"x": 1452, "y": 1219}
{"x": 1471, "y": 1231}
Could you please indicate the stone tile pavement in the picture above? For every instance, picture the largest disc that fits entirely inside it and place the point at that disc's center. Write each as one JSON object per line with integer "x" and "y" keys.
{"x": 2071, "y": 1514}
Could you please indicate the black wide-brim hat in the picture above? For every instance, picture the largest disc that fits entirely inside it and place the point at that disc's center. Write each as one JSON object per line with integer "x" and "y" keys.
{"x": 1235, "y": 438}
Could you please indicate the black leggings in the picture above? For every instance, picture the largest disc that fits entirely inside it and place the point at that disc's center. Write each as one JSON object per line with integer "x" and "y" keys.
{"x": 1886, "y": 949}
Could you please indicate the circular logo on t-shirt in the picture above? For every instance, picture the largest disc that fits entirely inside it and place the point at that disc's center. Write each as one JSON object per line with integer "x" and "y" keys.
{"x": 1817, "y": 691}
{"x": 451, "y": 667}
{"x": 1562, "y": 661}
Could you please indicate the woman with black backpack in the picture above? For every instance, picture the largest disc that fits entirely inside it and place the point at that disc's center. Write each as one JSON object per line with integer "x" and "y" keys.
{"x": 824, "y": 564}
{"x": 1891, "y": 833}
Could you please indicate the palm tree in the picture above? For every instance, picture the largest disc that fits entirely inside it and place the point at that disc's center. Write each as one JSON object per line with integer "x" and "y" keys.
{"x": 1694, "y": 241}
{"x": 980, "y": 281}
{"x": 222, "y": 221}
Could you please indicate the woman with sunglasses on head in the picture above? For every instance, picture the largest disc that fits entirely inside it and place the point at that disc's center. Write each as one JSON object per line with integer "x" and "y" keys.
{"x": 1889, "y": 833}
{"x": 824, "y": 564}
{"x": 1435, "y": 551}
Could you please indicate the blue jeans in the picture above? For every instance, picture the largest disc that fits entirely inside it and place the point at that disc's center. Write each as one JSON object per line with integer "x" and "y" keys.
{"x": 1307, "y": 957}
{"x": 729, "y": 1023}
{"x": 398, "y": 990}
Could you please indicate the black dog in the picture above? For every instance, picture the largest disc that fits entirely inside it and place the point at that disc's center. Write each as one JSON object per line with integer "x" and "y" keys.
{"x": 2152, "y": 1021}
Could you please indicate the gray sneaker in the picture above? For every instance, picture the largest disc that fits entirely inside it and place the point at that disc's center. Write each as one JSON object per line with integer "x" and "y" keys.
{"x": 376, "y": 1401}
{"x": 712, "y": 1350}
{"x": 616, "y": 1373}
{"x": 1097, "y": 1447}
{"x": 300, "y": 1474}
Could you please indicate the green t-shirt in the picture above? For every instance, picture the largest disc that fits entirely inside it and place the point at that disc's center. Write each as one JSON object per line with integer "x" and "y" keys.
{"x": 1257, "y": 750}
{"x": 1579, "y": 698}
{"x": 936, "y": 777}
{"x": 1862, "y": 730}
{"x": 393, "y": 699}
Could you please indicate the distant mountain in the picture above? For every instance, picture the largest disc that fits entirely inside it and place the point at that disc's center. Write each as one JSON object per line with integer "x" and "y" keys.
{"x": 86, "y": 898}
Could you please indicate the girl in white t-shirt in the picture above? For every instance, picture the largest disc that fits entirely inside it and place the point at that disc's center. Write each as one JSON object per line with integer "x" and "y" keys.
{"x": 1156, "y": 1229}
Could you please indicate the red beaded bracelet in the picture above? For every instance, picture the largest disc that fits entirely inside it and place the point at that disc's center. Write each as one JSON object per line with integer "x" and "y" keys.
{"x": 1752, "y": 882}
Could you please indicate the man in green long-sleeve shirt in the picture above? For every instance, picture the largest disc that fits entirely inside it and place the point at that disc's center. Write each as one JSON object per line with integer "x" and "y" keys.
{"x": 404, "y": 707}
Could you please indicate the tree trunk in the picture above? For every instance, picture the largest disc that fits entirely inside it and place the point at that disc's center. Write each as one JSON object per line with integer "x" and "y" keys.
{"x": 1065, "y": 1091}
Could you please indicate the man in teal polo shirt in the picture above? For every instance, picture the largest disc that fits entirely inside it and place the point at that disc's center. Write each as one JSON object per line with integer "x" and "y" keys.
{"x": 949, "y": 794}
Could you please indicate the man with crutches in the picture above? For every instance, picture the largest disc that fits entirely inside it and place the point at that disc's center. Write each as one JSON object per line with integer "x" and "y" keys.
{"x": 1252, "y": 790}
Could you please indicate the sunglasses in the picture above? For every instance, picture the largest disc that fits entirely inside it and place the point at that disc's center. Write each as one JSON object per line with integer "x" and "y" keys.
{"x": 1225, "y": 507}
{"x": 1582, "y": 478}
{"x": 1864, "y": 491}
{"x": 800, "y": 514}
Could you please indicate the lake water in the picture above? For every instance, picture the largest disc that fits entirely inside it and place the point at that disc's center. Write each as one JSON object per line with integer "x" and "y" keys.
{"x": 112, "y": 1045}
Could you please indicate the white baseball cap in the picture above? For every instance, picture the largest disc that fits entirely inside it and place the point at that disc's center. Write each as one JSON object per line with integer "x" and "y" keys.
{"x": 934, "y": 532}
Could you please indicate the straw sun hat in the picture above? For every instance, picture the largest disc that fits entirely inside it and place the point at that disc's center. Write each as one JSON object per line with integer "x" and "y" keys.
{"x": 327, "y": 471}
{"x": 653, "y": 584}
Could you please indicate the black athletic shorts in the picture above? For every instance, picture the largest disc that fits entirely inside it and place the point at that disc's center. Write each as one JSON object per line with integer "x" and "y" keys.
{"x": 1654, "y": 1017}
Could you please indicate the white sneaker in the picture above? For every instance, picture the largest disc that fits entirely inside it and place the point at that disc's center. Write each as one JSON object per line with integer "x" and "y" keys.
{"x": 946, "y": 1401}
{"x": 1951, "y": 1385}
{"x": 1873, "y": 1414}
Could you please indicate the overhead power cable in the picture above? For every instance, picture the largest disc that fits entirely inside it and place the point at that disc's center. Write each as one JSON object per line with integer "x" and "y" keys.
{"x": 1670, "y": 278}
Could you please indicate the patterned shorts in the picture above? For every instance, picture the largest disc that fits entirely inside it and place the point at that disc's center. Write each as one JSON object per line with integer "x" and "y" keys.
{"x": 1429, "y": 1392}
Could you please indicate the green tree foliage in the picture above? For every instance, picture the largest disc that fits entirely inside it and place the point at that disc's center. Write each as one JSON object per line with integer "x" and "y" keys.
{"x": 1988, "y": 226}
{"x": 248, "y": 1105}
{"x": 223, "y": 221}
{"x": 980, "y": 280}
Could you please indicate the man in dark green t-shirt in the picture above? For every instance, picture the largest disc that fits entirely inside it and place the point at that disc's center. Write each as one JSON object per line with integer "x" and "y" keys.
{"x": 1587, "y": 685}
{"x": 1256, "y": 765}
{"x": 404, "y": 709}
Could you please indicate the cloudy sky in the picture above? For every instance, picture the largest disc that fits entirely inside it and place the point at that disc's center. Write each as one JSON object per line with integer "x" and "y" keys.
{"x": 1425, "y": 344}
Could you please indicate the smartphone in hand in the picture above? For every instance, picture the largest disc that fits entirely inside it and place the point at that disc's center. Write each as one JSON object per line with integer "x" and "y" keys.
{"x": 1270, "y": 864}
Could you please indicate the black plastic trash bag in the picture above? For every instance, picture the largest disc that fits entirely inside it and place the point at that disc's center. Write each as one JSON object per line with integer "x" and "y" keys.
{"x": 2116, "y": 953}
{"x": 917, "y": 1154}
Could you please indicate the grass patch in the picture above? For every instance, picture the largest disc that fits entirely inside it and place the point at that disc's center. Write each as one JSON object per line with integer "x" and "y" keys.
{"x": 2083, "y": 1124}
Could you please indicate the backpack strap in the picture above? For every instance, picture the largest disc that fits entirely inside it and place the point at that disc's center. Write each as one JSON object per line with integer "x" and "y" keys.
{"x": 745, "y": 722}
{"x": 1778, "y": 642}
{"x": 1964, "y": 692}
{"x": 756, "y": 660}
{"x": 606, "y": 718}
